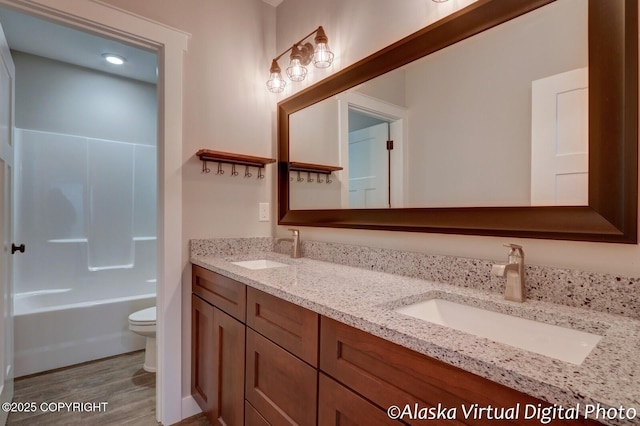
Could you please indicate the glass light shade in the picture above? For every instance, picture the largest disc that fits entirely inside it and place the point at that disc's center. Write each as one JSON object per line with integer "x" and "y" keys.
{"x": 323, "y": 56}
{"x": 296, "y": 71}
{"x": 276, "y": 83}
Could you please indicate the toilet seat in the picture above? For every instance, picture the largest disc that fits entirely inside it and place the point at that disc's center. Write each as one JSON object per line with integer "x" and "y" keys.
{"x": 143, "y": 317}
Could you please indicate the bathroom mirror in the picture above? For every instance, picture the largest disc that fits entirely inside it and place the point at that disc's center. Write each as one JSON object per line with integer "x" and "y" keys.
{"x": 607, "y": 211}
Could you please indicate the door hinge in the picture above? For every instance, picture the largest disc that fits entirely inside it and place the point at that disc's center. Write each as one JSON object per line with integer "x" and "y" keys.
{"x": 389, "y": 145}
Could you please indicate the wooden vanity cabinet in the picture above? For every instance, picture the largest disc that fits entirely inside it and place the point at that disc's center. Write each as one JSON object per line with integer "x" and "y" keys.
{"x": 218, "y": 347}
{"x": 286, "y": 365}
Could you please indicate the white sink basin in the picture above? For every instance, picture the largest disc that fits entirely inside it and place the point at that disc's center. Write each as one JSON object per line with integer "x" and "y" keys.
{"x": 554, "y": 341}
{"x": 260, "y": 264}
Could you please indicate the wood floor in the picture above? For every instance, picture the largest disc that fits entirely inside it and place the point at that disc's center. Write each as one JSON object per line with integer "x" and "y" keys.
{"x": 120, "y": 381}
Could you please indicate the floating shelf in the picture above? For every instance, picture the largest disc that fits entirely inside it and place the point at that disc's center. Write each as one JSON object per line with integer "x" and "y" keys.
{"x": 226, "y": 157}
{"x": 313, "y": 168}
{"x": 318, "y": 169}
{"x": 219, "y": 157}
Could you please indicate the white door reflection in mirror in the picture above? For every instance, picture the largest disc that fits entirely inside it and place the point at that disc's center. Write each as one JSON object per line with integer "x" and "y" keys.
{"x": 369, "y": 167}
{"x": 560, "y": 139}
{"x": 379, "y": 179}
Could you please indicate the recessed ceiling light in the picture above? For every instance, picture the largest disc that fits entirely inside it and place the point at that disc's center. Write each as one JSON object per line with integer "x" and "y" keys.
{"x": 114, "y": 59}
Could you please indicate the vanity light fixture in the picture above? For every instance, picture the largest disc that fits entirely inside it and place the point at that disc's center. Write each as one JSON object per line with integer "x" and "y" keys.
{"x": 301, "y": 56}
{"x": 114, "y": 59}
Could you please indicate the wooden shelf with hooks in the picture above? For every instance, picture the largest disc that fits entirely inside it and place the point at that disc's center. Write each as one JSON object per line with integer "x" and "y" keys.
{"x": 313, "y": 168}
{"x": 229, "y": 158}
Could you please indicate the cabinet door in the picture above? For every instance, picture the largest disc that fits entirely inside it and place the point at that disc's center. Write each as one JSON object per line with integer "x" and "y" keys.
{"x": 202, "y": 367}
{"x": 281, "y": 387}
{"x": 228, "y": 359}
{"x": 217, "y": 364}
{"x": 338, "y": 406}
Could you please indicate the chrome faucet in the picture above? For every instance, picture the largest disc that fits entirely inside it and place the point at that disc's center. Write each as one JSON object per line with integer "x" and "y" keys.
{"x": 295, "y": 243}
{"x": 514, "y": 271}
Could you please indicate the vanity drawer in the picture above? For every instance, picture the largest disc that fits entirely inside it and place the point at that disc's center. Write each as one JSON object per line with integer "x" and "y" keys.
{"x": 290, "y": 326}
{"x": 281, "y": 387}
{"x": 388, "y": 374}
{"x": 252, "y": 417}
{"x": 224, "y": 293}
{"x": 338, "y": 406}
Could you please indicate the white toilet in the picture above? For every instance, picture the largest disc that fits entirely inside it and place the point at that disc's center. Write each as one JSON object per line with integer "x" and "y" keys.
{"x": 144, "y": 323}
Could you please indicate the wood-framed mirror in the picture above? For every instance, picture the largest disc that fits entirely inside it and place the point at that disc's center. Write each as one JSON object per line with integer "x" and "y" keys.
{"x": 609, "y": 214}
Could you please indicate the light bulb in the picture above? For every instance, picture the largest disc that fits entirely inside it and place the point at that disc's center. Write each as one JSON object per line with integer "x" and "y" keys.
{"x": 296, "y": 71}
{"x": 114, "y": 59}
{"x": 275, "y": 84}
{"x": 323, "y": 56}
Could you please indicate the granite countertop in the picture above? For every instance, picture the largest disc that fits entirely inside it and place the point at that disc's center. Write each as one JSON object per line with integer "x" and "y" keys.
{"x": 609, "y": 376}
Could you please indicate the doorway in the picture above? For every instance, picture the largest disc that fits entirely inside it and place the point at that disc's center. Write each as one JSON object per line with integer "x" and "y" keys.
{"x": 372, "y": 151}
{"x": 171, "y": 44}
{"x": 85, "y": 193}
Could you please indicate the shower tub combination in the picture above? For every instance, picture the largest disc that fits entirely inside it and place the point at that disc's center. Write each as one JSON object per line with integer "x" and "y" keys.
{"x": 60, "y": 327}
{"x": 88, "y": 220}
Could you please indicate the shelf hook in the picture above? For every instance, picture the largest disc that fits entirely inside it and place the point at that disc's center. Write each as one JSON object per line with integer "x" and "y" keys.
{"x": 205, "y": 168}
{"x": 319, "y": 180}
{"x": 260, "y": 174}
{"x": 234, "y": 172}
{"x": 220, "y": 170}
{"x": 300, "y": 179}
{"x": 309, "y": 177}
{"x": 329, "y": 179}
{"x": 247, "y": 173}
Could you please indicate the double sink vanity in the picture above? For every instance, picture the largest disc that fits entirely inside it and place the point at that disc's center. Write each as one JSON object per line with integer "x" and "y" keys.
{"x": 278, "y": 340}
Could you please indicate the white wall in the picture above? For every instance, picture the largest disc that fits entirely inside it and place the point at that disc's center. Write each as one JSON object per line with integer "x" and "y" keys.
{"x": 315, "y": 130}
{"x": 61, "y": 98}
{"x": 357, "y": 28}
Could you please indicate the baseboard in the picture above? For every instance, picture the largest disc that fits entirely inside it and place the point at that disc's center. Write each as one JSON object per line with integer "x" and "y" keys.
{"x": 189, "y": 407}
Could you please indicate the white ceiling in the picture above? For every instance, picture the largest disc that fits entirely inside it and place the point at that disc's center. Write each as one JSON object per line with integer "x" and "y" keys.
{"x": 43, "y": 38}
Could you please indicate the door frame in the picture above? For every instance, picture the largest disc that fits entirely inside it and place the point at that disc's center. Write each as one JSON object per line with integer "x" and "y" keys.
{"x": 7, "y": 335}
{"x": 397, "y": 117}
{"x": 170, "y": 45}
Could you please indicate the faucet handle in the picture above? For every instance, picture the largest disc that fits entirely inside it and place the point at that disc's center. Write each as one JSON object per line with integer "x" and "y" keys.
{"x": 512, "y": 246}
{"x": 296, "y": 232}
{"x": 516, "y": 253}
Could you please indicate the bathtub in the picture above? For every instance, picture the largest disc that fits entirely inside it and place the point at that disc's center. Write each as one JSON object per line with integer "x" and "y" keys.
{"x": 64, "y": 326}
